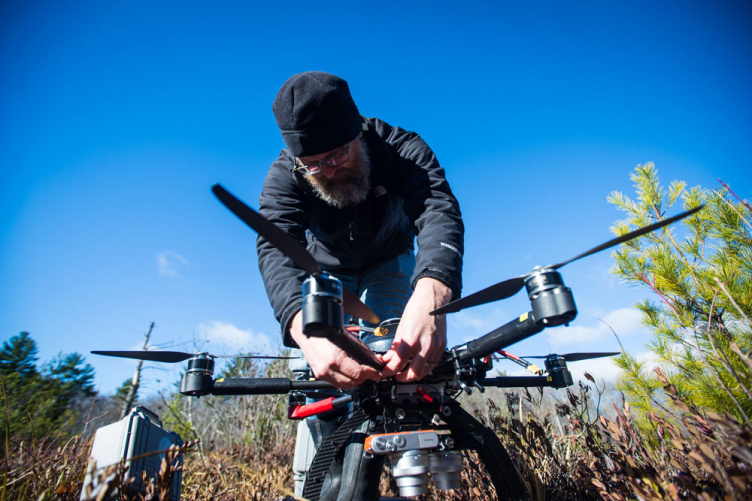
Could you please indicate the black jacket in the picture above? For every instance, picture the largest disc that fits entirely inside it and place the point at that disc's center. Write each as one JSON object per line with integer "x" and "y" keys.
{"x": 409, "y": 196}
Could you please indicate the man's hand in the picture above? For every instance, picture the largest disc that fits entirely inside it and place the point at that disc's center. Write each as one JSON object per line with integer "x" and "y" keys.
{"x": 420, "y": 336}
{"x": 328, "y": 362}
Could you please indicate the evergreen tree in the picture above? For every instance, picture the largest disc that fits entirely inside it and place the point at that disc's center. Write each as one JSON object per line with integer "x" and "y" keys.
{"x": 40, "y": 403}
{"x": 699, "y": 319}
{"x": 19, "y": 356}
{"x": 121, "y": 394}
{"x": 72, "y": 374}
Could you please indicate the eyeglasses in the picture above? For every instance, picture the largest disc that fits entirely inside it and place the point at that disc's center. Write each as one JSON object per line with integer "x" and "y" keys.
{"x": 335, "y": 159}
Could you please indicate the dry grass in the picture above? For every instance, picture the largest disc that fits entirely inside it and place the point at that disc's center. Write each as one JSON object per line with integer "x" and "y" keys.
{"x": 242, "y": 474}
{"x": 44, "y": 470}
{"x": 699, "y": 455}
{"x": 567, "y": 454}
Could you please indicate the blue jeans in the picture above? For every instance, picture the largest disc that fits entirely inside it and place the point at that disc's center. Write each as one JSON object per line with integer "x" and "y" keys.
{"x": 384, "y": 287}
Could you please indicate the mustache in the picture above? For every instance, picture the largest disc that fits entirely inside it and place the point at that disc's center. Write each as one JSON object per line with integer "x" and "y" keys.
{"x": 349, "y": 185}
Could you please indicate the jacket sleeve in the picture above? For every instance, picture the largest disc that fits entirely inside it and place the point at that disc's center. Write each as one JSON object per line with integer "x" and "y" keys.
{"x": 431, "y": 207}
{"x": 282, "y": 203}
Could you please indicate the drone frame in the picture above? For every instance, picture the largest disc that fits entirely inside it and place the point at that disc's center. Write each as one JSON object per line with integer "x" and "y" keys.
{"x": 463, "y": 368}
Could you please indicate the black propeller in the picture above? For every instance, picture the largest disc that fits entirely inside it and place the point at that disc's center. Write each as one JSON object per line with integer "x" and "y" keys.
{"x": 172, "y": 357}
{"x": 290, "y": 248}
{"x": 575, "y": 357}
{"x": 629, "y": 236}
{"x": 512, "y": 286}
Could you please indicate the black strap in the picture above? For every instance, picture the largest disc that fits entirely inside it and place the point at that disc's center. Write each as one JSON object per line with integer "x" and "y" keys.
{"x": 472, "y": 434}
{"x": 326, "y": 453}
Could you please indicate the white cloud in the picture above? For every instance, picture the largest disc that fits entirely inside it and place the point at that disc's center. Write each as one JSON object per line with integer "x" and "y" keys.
{"x": 602, "y": 369}
{"x": 606, "y": 369}
{"x": 226, "y": 335}
{"x": 624, "y": 321}
{"x": 171, "y": 264}
{"x": 472, "y": 324}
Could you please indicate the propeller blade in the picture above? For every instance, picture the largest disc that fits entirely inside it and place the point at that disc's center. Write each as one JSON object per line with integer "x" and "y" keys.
{"x": 510, "y": 287}
{"x": 169, "y": 357}
{"x": 575, "y": 357}
{"x": 629, "y": 236}
{"x": 276, "y": 236}
{"x": 175, "y": 356}
{"x": 290, "y": 248}
{"x": 267, "y": 357}
{"x": 352, "y": 304}
{"x": 502, "y": 290}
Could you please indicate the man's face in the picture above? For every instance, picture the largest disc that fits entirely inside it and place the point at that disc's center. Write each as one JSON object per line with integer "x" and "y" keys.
{"x": 345, "y": 184}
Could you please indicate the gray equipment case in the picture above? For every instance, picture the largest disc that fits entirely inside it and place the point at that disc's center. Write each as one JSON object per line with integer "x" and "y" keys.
{"x": 132, "y": 439}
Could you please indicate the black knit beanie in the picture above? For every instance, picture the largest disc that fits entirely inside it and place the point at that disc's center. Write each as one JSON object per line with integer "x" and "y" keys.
{"x": 315, "y": 113}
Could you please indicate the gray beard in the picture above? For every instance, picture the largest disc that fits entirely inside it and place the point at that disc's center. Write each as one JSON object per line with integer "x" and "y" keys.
{"x": 345, "y": 195}
{"x": 348, "y": 191}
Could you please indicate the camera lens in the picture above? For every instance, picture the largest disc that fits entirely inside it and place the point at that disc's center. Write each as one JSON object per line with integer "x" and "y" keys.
{"x": 410, "y": 472}
{"x": 446, "y": 469}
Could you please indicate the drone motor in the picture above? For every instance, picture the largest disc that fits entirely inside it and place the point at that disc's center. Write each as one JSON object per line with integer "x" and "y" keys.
{"x": 197, "y": 380}
{"x": 557, "y": 370}
{"x": 552, "y": 301}
{"x": 322, "y": 305}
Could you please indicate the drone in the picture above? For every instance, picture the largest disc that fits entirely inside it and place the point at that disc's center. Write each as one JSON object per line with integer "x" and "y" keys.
{"x": 419, "y": 426}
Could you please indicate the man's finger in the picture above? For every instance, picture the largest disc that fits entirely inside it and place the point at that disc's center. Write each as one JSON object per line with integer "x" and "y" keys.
{"x": 417, "y": 370}
{"x": 396, "y": 359}
{"x": 357, "y": 373}
{"x": 418, "y": 365}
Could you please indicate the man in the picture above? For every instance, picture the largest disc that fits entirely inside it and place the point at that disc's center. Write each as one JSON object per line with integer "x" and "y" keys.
{"x": 356, "y": 192}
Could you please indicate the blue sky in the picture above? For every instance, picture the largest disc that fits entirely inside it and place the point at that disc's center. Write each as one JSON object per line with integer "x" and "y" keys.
{"x": 117, "y": 117}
